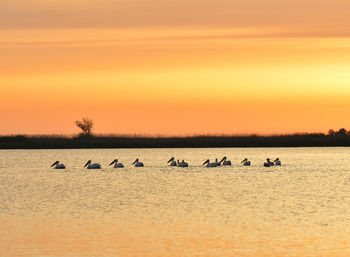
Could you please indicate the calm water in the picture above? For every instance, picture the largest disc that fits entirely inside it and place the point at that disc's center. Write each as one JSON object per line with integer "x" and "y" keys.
{"x": 299, "y": 209}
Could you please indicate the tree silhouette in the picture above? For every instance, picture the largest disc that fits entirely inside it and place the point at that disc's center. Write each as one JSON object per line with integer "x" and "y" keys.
{"x": 86, "y": 126}
{"x": 331, "y": 132}
{"x": 341, "y": 131}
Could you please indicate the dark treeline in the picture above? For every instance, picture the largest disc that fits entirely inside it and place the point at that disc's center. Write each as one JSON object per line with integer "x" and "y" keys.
{"x": 333, "y": 138}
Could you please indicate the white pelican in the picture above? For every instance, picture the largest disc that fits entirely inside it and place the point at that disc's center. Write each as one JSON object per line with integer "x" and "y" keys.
{"x": 277, "y": 161}
{"x": 117, "y": 164}
{"x": 137, "y": 163}
{"x": 225, "y": 162}
{"x": 172, "y": 162}
{"x": 210, "y": 164}
{"x": 58, "y": 165}
{"x": 246, "y": 162}
{"x": 93, "y": 165}
{"x": 268, "y": 163}
{"x": 182, "y": 164}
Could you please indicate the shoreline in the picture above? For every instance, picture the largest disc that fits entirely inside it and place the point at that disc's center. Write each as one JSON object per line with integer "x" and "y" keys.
{"x": 110, "y": 142}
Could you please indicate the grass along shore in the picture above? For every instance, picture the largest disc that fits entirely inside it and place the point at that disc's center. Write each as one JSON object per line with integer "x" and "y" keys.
{"x": 115, "y": 141}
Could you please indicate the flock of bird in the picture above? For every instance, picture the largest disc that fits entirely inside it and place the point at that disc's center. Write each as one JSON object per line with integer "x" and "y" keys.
{"x": 171, "y": 162}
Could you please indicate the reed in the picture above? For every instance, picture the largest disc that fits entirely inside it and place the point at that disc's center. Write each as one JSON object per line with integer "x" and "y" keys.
{"x": 145, "y": 141}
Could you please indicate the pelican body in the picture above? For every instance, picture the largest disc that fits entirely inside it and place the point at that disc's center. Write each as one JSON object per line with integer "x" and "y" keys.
{"x": 117, "y": 164}
{"x": 137, "y": 163}
{"x": 277, "y": 161}
{"x": 58, "y": 165}
{"x": 90, "y": 165}
{"x": 210, "y": 164}
{"x": 225, "y": 162}
{"x": 182, "y": 164}
{"x": 246, "y": 162}
{"x": 268, "y": 163}
{"x": 172, "y": 162}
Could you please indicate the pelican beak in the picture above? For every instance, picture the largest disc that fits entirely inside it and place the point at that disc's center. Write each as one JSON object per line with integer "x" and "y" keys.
{"x": 205, "y": 162}
{"x": 87, "y": 164}
{"x": 112, "y": 162}
{"x": 56, "y": 162}
{"x": 134, "y": 162}
{"x": 172, "y": 158}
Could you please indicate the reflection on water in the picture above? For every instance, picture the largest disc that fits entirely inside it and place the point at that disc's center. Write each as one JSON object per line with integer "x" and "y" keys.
{"x": 298, "y": 209}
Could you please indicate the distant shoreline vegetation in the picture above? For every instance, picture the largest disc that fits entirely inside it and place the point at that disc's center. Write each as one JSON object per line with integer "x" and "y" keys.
{"x": 333, "y": 138}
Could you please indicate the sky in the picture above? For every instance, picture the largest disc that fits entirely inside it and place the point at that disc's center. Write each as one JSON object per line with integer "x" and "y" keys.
{"x": 174, "y": 67}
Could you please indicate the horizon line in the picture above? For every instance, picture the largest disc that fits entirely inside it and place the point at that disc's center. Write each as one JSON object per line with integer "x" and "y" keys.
{"x": 147, "y": 135}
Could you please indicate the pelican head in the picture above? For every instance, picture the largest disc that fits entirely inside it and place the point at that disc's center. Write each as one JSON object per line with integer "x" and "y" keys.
{"x": 244, "y": 160}
{"x": 207, "y": 161}
{"x": 137, "y": 160}
{"x": 88, "y": 163}
{"x": 172, "y": 159}
{"x": 268, "y": 159}
{"x": 277, "y": 161}
{"x": 55, "y": 163}
{"x": 115, "y": 161}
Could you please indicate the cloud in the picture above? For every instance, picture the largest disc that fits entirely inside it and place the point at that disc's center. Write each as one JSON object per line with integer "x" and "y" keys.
{"x": 137, "y": 37}
{"x": 182, "y": 13}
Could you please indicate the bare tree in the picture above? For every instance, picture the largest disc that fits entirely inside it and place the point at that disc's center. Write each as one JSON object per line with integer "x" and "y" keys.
{"x": 86, "y": 126}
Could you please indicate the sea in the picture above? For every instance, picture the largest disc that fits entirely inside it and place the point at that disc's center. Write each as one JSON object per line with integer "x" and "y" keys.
{"x": 301, "y": 208}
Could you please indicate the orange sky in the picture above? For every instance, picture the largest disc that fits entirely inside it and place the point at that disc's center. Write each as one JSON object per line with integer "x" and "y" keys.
{"x": 174, "y": 67}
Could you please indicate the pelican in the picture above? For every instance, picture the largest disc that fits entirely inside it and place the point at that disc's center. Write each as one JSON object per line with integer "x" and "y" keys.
{"x": 172, "y": 162}
{"x": 182, "y": 164}
{"x": 277, "y": 161}
{"x": 137, "y": 163}
{"x": 268, "y": 163}
{"x": 58, "y": 165}
{"x": 117, "y": 164}
{"x": 225, "y": 162}
{"x": 217, "y": 162}
{"x": 210, "y": 164}
{"x": 92, "y": 166}
{"x": 246, "y": 162}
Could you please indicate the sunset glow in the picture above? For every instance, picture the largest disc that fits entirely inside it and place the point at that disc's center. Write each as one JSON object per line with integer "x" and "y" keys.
{"x": 174, "y": 67}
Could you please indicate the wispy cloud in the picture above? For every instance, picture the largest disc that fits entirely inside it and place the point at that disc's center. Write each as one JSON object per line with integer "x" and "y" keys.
{"x": 130, "y": 37}
{"x": 183, "y": 13}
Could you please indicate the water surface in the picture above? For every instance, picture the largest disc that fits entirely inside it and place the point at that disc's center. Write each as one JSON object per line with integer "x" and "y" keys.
{"x": 298, "y": 209}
